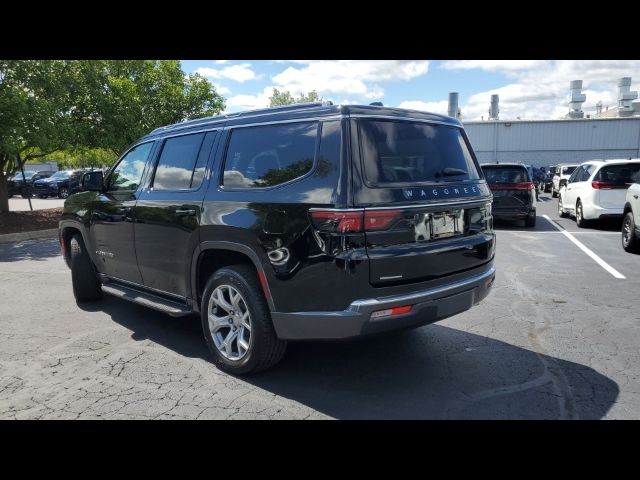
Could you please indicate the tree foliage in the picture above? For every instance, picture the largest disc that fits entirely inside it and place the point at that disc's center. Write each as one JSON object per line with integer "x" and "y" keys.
{"x": 48, "y": 106}
{"x": 285, "y": 98}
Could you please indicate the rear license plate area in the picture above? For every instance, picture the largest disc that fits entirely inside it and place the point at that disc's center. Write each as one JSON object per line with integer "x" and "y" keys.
{"x": 431, "y": 226}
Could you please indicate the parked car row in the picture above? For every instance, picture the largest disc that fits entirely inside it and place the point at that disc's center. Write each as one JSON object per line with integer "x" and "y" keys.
{"x": 601, "y": 190}
{"x": 23, "y": 185}
{"x": 47, "y": 183}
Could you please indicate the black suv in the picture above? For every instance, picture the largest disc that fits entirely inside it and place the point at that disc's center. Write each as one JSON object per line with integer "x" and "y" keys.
{"x": 61, "y": 184}
{"x": 16, "y": 184}
{"x": 514, "y": 194}
{"x": 310, "y": 221}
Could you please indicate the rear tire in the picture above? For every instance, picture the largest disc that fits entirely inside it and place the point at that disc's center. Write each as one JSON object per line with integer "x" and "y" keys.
{"x": 530, "y": 221}
{"x": 580, "y": 221}
{"x": 630, "y": 241}
{"x": 63, "y": 193}
{"x": 84, "y": 277}
{"x": 554, "y": 194}
{"x": 263, "y": 348}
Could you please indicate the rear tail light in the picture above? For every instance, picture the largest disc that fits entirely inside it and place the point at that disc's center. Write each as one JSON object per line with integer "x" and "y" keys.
{"x": 608, "y": 185}
{"x": 345, "y": 221}
{"x": 337, "y": 221}
{"x": 390, "y": 312}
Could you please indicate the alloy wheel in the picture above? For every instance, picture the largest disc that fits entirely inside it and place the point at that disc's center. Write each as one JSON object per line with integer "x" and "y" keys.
{"x": 626, "y": 232}
{"x": 229, "y": 322}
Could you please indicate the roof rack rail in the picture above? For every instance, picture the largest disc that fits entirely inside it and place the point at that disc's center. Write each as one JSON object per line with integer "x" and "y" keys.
{"x": 282, "y": 108}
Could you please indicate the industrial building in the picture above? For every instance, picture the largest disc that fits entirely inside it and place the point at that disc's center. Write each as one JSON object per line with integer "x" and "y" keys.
{"x": 613, "y": 133}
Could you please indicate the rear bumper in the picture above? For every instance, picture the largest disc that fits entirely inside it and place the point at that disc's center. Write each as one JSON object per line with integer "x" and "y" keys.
{"x": 428, "y": 306}
{"x": 596, "y": 212}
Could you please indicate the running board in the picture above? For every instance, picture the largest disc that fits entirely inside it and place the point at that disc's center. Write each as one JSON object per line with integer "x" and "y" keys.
{"x": 174, "y": 309}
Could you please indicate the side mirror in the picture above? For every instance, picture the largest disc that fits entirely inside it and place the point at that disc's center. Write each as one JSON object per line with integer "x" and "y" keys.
{"x": 93, "y": 181}
{"x": 564, "y": 182}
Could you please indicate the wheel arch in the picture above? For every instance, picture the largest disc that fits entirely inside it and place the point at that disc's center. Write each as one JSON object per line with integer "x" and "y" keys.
{"x": 212, "y": 255}
{"x": 627, "y": 208}
{"x": 66, "y": 230}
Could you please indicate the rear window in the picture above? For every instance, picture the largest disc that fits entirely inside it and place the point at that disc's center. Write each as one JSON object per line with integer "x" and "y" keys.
{"x": 568, "y": 170}
{"x": 414, "y": 153}
{"x": 620, "y": 174}
{"x": 495, "y": 175}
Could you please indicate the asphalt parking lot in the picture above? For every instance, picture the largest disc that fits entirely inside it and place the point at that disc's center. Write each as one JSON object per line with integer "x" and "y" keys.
{"x": 557, "y": 339}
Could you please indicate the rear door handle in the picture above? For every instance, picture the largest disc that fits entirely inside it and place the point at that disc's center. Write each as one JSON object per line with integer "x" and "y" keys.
{"x": 184, "y": 213}
{"x": 124, "y": 209}
{"x": 635, "y": 196}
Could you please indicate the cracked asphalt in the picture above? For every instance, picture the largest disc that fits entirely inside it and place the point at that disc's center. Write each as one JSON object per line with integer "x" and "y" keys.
{"x": 557, "y": 339}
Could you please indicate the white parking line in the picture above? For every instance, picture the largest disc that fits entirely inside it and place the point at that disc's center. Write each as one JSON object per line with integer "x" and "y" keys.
{"x": 586, "y": 250}
{"x": 554, "y": 232}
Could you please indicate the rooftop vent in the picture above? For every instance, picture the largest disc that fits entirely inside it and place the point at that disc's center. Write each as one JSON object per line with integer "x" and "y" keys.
{"x": 576, "y": 99}
{"x": 453, "y": 105}
{"x": 494, "y": 111}
{"x": 625, "y": 97}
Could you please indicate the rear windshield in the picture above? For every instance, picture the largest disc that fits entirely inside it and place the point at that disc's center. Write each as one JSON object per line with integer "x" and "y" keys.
{"x": 568, "y": 170}
{"x": 499, "y": 174}
{"x": 414, "y": 153}
{"x": 621, "y": 174}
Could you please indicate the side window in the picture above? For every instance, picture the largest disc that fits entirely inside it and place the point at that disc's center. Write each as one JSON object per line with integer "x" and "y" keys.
{"x": 175, "y": 170}
{"x": 269, "y": 155}
{"x": 576, "y": 174}
{"x": 128, "y": 173}
{"x": 586, "y": 173}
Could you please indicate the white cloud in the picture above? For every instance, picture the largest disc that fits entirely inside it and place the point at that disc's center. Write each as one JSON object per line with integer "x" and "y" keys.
{"x": 239, "y": 73}
{"x": 492, "y": 65}
{"x": 221, "y": 62}
{"x": 542, "y": 90}
{"x": 347, "y": 77}
{"x": 249, "y": 102}
{"x": 434, "y": 107}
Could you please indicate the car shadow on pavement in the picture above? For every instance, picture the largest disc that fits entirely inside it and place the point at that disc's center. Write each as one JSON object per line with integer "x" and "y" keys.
{"x": 434, "y": 372}
{"x": 29, "y": 250}
{"x": 542, "y": 225}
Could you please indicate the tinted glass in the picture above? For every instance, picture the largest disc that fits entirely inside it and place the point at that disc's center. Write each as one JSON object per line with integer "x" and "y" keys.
{"x": 176, "y": 163}
{"x": 269, "y": 155}
{"x": 498, "y": 174}
{"x": 128, "y": 173}
{"x": 576, "y": 174}
{"x": 586, "y": 172}
{"x": 568, "y": 170}
{"x": 413, "y": 153}
{"x": 620, "y": 174}
{"x": 60, "y": 175}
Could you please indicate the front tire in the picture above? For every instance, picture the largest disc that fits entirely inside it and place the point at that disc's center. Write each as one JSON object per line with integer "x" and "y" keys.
{"x": 86, "y": 285}
{"x": 63, "y": 193}
{"x": 630, "y": 241}
{"x": 237, "y": 324}
{"x": 561, "y": 212}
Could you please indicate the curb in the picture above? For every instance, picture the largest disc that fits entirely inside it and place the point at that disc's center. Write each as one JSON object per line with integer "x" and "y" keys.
{"x": 34, "y": 235}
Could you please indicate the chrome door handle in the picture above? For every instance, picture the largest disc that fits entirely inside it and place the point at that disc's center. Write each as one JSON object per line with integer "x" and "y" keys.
{"x": 184, "y": 213}
{"x": 124, "y": 209}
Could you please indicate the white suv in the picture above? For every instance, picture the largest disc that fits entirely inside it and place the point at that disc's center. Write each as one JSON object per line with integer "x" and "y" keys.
{"x": 597, "y": 190}
{"x": 563, "y": 172}
{"x": 631, "y": 222}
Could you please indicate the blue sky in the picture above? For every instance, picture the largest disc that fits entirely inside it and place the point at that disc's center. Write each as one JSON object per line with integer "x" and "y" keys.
{"x": 533, "y": 89}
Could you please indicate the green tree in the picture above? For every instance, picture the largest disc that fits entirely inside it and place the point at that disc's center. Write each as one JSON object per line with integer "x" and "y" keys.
{"x": 285, "y": 98}
{"x": 48, "y": 106}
